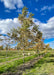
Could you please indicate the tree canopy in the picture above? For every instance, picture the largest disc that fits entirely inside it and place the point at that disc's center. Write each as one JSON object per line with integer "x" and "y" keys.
{"x": 28, "y": 34}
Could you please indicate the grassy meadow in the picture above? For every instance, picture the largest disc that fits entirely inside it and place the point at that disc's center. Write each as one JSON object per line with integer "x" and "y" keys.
{"x": 44, "y": 67}
{"x": 10, "y": 54}
{"x": 10, "y": 60}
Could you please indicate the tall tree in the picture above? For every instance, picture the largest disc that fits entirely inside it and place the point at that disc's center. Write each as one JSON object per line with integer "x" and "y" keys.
{"x": 28, "y": 34}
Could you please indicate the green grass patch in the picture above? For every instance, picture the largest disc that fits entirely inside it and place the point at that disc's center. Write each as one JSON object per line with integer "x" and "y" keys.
{"x": 10, "y": 67}
{"x": 44, "y": 66}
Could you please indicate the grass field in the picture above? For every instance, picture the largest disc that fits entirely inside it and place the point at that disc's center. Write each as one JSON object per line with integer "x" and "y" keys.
{"x": 9, "y": 60}
{"x": 9, "y": 55}
{"x": 44, "y": 67}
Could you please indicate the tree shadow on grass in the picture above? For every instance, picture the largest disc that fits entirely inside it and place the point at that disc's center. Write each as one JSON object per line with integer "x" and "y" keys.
{"x": 42, "y": 61}
{"x": 50, "y": 60}
{"x": 44, "y": 74}
{"x": 52, "y": 55}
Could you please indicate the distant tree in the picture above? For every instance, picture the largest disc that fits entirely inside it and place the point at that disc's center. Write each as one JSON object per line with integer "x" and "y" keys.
{"x": 6, "y": 47}
{"x": 47, "y": 46}
{"x": 1, "y": 47}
